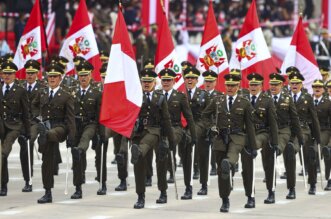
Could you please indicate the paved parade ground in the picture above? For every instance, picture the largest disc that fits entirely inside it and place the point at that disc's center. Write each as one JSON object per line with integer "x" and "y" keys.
{"x": 120, "y": 204}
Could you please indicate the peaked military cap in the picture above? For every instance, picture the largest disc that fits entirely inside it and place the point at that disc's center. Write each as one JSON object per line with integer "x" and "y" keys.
{"x": 276, "y": 78}
{"x": 324, "y": 70}
{"x": 328, "y": 83}
{"x": 104, "y": 55}
{"x": 32, "y": 66}
{"x": 318, "y": 83}
{"x": 235, "y": 71}
{"x": 103, "y": 70}
{"x": 191, "y": 72}
{"x": 54, "y": 69}
{"x": 186, "y": 64}
{"x": 296, "y": 77}
{"x": 209, "y": 75}
{"x": 149, "y": 63}
{"x": 148, "y": 75}
{"x": 9, "y": 57}
{"x": 9, "y": 67}
{"x": 167, "y": 73}
{"x": 292, "y": 69}
{"x": 255, "y": 78}
{"x": 78, "y": 60}
{"x": 231, "y": 79}
{"x": 84, "y": 68}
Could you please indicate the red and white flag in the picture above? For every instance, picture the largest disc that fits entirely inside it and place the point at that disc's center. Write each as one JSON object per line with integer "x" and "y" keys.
{"x": 251, "y": 51}
{"x": 326, "y": 11}
{"x": 122, "y": 94}
{"x": 152, "y": 12}
{"x": 80, "y": 41}
{"x": 212, "y": 54}
{"x": 300, "y": 55}
{"x": 166, "y": 56}
{"x": 32, "y": 42}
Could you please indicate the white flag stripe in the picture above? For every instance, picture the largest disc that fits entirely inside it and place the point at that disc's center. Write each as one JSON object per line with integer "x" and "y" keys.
{"x": 19, "y": 59}
{"x": 289, "y": 59}
{"x": 88, "y": 34}
{"x": 152, "y": 11}
{"x": 261, "y": 48}
{"x": 122, "y": 67}
{"x": 50, "y": 27}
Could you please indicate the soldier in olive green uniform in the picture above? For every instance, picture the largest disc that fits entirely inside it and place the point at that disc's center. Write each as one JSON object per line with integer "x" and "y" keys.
{"x": 288, "y": 129}
{"x": 153, "y": 117}
{"x": 87, "y": 107}
{"x": 210, "y": 81}
{"x": 177, "y": 105}
{"x": 325, "y": 72}
{"x": 198, "y": 100}
{"x": 323, "y": 110}
{"x": 14, "y": 112}
{"x": 233, "y": 124}
{"x": 58, "y": 124}
{"x": 33, "y": 86}
{"x": 328, "y": 89}
{"x": 309, "y": 125}
{"x": 265, "y": 122}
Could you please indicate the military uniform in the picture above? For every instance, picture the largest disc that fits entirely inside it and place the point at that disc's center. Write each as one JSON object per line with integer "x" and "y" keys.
{"x": 153, "y": 116}
{"x": 234, "y": 123}
{"x": 265, "y": 122}
{"x": 14, "y": 111}
{"x": 323, "y": 110}
{"x": 32, "y": 67}
{"x": 198, "y": 100}
{"x": 58, "y": 117}
{"x": 310, "y": 129}
{"x": 87, "y": 103}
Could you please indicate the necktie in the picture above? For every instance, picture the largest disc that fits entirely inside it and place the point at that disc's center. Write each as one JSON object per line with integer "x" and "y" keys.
{"x": 166, "y": 95}
{"x": 253, "y": 100}
{"x": 275, "y": 99}
{"x": 83, "y": 94}
{"x": 7, "y": 89}
{"x": 29, "y": 88}
{"x": 147, "y": 97}
{"x": 189, "y": 94}
{"x": 230, "y": 102}
{"x": 316, "y": 102}
{"x": 295, "y": 98}
{"x": 50, "y": 96}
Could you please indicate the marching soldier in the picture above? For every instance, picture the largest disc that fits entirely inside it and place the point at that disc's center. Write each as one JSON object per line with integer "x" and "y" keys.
{"x": 309, "y": 125}
{"x": 265, "y": 122}
{"x": 177, "y": 105}
{"x": 58, "y": 124}
{"x": 14, "y": 111}
{"x": 241, "y": 91}
{"x": 323, "y": 110}
{"x": 288, "y": 129}
{"x": 104, "y": 56}
{"x": 33, "y": 86}
{"x": 198, "y": 100}
{"x": 153, "y": 119}
{"x": 233, "y": 124}
{"x": 87, "y": 107}
{"x": 325, "y": 74}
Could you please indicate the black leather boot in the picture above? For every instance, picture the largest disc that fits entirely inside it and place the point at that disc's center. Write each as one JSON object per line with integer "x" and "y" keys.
{"x": 291, "y": 194}
{"x": 102, "y": 190}
{"x": 163, "y": 198}
{"x": 140, "y": 202}
{"x": 78, "y": 193}
{"x": 250, "y": 202}
{"x": 271, "y": 198}
{"x": 188, "y": 193}
{"x": 47, "y": 198}
{"x": 203, "y": 190}
{"x": 122, "y": 186}
{"x": 225, "y": 205}
{"x": 27, "y": 187}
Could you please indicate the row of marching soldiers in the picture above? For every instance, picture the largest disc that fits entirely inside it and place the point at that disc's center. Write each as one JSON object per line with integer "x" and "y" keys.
{"x": 282, "y": 121}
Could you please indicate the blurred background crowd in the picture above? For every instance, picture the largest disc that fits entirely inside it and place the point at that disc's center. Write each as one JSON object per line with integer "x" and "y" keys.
{"x": 229, "y": 14}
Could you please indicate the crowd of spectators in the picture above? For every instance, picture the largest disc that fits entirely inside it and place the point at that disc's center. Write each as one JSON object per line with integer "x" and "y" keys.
{"x": 229, "y": 14}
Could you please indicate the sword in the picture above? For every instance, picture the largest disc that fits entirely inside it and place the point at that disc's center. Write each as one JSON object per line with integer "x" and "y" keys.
{"x": 192, "y": 165}
{"x": 209, "y": 164}
{"x": 320, "y": 162}
{"x": 253, "y": 180}
{"x": 0, "y": 160}
{"x": 174, "y": 173}
{"x": 303, "y": 166}
{"x": 101, "y": 167}
{"x": 29, "y": 160}
{"x": 67, "y": 174}
{"x": 274, "y": 172}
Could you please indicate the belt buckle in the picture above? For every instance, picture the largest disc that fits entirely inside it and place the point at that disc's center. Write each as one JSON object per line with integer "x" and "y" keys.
{"x": 145, "y": 121}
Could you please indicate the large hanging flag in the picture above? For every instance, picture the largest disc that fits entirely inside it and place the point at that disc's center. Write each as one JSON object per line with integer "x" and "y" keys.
{"x": 212, "y": 54}
{"x": 300, "y": 55}
{"x": 152, "y": 12}
{"x": 251, "y": 51}
{"x": 32, "y": 42}
{"x": 80, "y": 41}
{"x": 326, "y": 12}
{"x": 122, "y": 94}
{"x": 165, "y": 56}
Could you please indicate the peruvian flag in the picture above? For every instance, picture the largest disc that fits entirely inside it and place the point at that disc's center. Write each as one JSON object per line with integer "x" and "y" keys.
{"x": 32, "y": 42}
{"x": 152, "y": 12}
{"x": 80, "y": 41}
{"x": 165, "y": 56}
{"x": 212, "y": 54}
{"x": 326, "y": 9}
{"x": 300, "y": 55}
{"x": 122, "y": 94}
{"x": 251, "y": 51}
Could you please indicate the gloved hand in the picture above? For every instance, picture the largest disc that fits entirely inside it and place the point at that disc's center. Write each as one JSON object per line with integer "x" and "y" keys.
{"x": 213, "y": 132}
{"x": 70, "y": 143}
{"x": 193, "y": 141}
{"x": 251, "y": 152}
{"x": 301, "y": 142}
{"x": 276, "y": 149}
